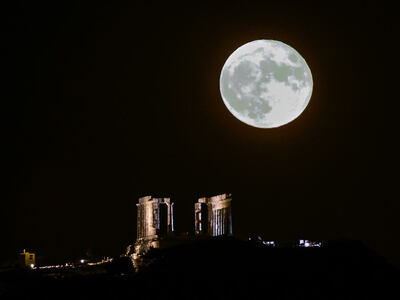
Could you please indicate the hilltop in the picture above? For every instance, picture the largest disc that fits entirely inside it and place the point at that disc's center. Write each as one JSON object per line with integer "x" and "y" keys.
{"x": 222, "y": 269}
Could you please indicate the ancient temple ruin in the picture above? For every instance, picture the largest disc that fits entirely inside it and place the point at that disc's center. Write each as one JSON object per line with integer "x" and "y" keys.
{"x": 213, "y": 216}
{"x": 155, "y": 220}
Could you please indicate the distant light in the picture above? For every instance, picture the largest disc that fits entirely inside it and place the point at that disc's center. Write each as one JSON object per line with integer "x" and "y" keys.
{"x": 32, "y": 266}
{"x": 269, "y": 243}
{"x": 82, "y": 261}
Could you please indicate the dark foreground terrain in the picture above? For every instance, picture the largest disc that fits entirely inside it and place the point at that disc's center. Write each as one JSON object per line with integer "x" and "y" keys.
{"x": 220, "y": 269}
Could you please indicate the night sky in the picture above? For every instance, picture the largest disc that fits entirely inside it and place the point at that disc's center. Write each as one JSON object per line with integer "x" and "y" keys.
{"x": 105, "y": 103}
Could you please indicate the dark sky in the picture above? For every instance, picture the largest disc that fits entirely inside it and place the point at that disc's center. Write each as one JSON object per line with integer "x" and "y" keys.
{"x": 105, "y": 103}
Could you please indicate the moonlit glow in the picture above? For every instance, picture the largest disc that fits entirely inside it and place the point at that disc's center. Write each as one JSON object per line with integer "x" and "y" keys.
{"x": 266, "y": 83}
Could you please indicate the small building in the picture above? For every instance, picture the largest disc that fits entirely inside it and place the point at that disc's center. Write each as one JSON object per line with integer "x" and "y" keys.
{"x": 309, "y": 244}
{"x": 28, "y": 258}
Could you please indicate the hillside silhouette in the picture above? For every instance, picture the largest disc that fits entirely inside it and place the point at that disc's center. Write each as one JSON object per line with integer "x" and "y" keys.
{"x": 224, "y": 269}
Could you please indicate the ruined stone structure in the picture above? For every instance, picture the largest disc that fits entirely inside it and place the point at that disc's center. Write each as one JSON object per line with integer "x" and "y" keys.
{"x": 213, "y": 215}
{"x": 154, "y": 221}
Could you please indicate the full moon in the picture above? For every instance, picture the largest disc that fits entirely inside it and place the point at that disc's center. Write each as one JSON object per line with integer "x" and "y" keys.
{"x": 266, "y": 83}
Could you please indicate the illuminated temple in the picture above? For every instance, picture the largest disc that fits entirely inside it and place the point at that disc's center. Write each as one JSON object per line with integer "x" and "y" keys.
{"x": 213, "y": 216}
{"x": 155, "y": 221}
